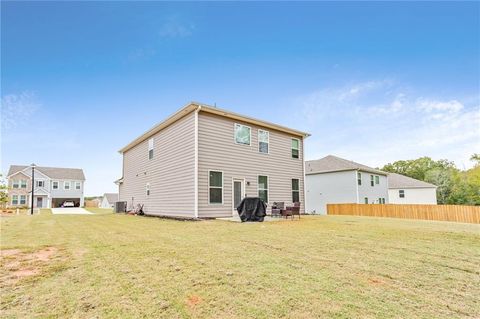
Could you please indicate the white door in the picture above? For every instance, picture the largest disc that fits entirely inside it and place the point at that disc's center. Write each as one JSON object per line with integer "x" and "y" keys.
{"x": 237, "y": 194}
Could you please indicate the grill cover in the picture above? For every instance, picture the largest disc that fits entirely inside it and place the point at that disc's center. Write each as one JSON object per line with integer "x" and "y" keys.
{"x": 252, "y": 209}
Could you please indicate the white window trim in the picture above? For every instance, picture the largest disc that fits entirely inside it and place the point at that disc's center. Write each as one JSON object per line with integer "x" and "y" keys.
{"x": 377, "y": 178}
{"x": 223, "y": 193}
{"x": 147, "y": 189}
{"x": 15, "y": 181}
{"x": 372, "y": 181}
{"x": 79, "y": 185}
{"x": 359, "y": 178}
{"x": 53, "y": 184}
{"x": 151, "y": 147}
{"x": 20, "y": 184}
{"x": 298, "y": 149}
{"x": 65, "y": 184}
{"x": 264, "y": 189}
{"x": 268, "y": 141}
{"x": 291, "y": 182}
{"x": 15, "y": 196}
{"x": 20, "y": 199}
{"x": 235, "y": 137}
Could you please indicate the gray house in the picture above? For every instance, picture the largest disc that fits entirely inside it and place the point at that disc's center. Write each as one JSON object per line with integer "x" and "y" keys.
{"x": 53, "y": 186}
{"x": 108, "y": 200}
{"x": 334, "y": 180}
{"x": 202, "y": 161}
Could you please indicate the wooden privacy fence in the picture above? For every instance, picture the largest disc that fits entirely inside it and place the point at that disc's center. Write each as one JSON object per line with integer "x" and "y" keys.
{"x": 451, "y": 213}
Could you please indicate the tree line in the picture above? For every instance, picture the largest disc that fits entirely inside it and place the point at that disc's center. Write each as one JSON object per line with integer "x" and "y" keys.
{"x": 454, "y": 186}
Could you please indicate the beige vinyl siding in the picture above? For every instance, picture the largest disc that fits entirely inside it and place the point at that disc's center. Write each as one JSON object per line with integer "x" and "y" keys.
{"x": 170, "y": 173}
{"x": 218, "y": 151}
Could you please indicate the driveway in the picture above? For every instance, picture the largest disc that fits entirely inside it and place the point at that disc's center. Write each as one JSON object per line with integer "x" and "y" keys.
{"x": 70, "y": 211}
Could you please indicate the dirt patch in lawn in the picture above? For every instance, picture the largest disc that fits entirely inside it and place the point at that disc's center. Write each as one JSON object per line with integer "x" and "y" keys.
{"x": 193, "y": 300}
{"x": 17, "y": 265}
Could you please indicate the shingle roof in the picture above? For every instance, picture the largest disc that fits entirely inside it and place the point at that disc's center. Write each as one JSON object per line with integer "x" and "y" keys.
{"x": 111, "y": 197}
{"x": 332, "y": 163}
{"x": 52, "y": 172}
{"x": 402, "y": 181}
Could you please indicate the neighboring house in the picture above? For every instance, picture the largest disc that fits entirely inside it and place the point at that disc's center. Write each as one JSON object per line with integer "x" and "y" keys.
{"x": 333, "y": 180}
{"x": 407, "y": 190}
{"x": 108, "y": 200}
{"x": 202, "y": 161}
{"x": 53, "y": 186}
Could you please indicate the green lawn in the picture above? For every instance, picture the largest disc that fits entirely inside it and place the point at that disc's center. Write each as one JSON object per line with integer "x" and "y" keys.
{"x": 108, "y": 265}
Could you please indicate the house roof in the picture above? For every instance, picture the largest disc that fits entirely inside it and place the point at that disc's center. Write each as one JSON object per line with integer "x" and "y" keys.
{"x": 193, "y": 106}
{"x": 402, "y": 181}
{"x": 52, "y": 172}
{"x": 333, "y": 163}
{"x": 111, "y": 197}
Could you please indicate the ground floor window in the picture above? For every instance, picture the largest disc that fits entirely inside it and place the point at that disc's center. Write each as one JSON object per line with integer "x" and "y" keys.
{"x": 263, "y": 188}
{"x": 366, "y": 200}
{"x": 14, "y": 199}
{"x": 23, "y": 199}
{"x": 295, "y": 190}
{"x": 215, "y": 187}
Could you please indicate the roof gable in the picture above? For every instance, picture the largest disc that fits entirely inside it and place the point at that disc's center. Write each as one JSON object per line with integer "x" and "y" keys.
{"x": 111, "y": 197}
{"x": 333, "y": 163}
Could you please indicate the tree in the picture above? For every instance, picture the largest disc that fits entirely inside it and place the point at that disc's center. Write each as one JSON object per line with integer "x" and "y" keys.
{"x": 3, "y": 192}
{"x": 476, "y": 159}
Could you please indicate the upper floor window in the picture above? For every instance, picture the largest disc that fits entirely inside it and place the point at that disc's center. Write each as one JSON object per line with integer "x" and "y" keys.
{"x": 55, "y": 184}
{"x": 14, "y": 199}
{"x": 295, "y": 190}
{"x": 23, "y": 199}
{"x": 377, "y": 179}
{"x": 263, "y": 141}
{"x": 215, "y": 187}
{"x": 23, "y": 183}
{"x": 401, "y": 193}
{"x": 77, "y": 185}
{"x": 359, "y": 178}
{"x": 372, "y": 182}
{"x": 66, "y": 185}
{"x": 263, "y": 188}
{"x": 40, "y": 183}
{"x": 295, "y": 147}
{"x": 150, "y": 148}
{"x": 15, "y": 184}
{"x": 242, "y": 134}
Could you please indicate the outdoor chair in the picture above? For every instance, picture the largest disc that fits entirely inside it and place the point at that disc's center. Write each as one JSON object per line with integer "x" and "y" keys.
{"x": 277, "y": 209}
{"x": 292, "y": 210}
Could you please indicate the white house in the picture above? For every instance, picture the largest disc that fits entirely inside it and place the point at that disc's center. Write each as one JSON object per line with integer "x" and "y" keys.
{"x": 407, "y": 190}
{"x": 334, "y": 180}
{"x": 53, "y": 186}
{"x": 108, "y": 200}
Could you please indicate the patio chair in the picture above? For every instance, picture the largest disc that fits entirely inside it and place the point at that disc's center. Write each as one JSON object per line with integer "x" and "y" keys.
{"x": 277, "y": 208}
{"x": 292, "y": 210}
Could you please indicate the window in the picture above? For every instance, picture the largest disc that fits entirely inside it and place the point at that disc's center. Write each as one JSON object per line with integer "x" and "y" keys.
{"x": 66, "y": 185}
{"x": 150, "y": 148}
{"x": 215, "y": 187}
{"x": 40, "y": 183}
{"x": 359, "y": 178}
{"x": 372, "y": 182}
{"x": 401, "y": 193}
{"x": 366, "y": 200}
{"x": 147, "y": 189}
{"x": 23, "y": 199}
{"x": 295, "y": 147}
{"x": 55, "y": 185}
{"x": 23, "y": 183}
{"x": 14, "y": 199}
{"x": 295, "y": 190}
{"x": 383, "y": 200}
{"x": 15, "y": 184}
{"x": 263, "y": 188}
{"x": 263, "y": 141}
{"x": 377, "y": 180}
{"x": 77, "y": 185}
{"x": 242, "y": 134}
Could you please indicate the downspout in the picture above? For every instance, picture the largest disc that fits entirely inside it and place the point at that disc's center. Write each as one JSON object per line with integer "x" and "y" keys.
{"x": 356, "y": 183}
{"x": 196, "y": 163}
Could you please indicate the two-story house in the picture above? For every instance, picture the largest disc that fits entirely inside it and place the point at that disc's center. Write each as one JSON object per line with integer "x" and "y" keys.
{"x": 53, "y": 186}
{"x": 202, "y": 161}
{"x": 334, "y": 180}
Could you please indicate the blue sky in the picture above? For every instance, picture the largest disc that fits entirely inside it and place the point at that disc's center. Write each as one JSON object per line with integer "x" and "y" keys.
{"x": 372, "y": 82}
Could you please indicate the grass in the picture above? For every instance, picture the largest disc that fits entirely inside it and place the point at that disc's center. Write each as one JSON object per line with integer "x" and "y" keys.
{"x": 112, "y": 265}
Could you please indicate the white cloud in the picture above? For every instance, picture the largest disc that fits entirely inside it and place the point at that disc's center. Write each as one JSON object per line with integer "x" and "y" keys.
{"x": 377, "y": 122}
{"x": 173, "y": 28}
{"x": 17, "y": 109}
